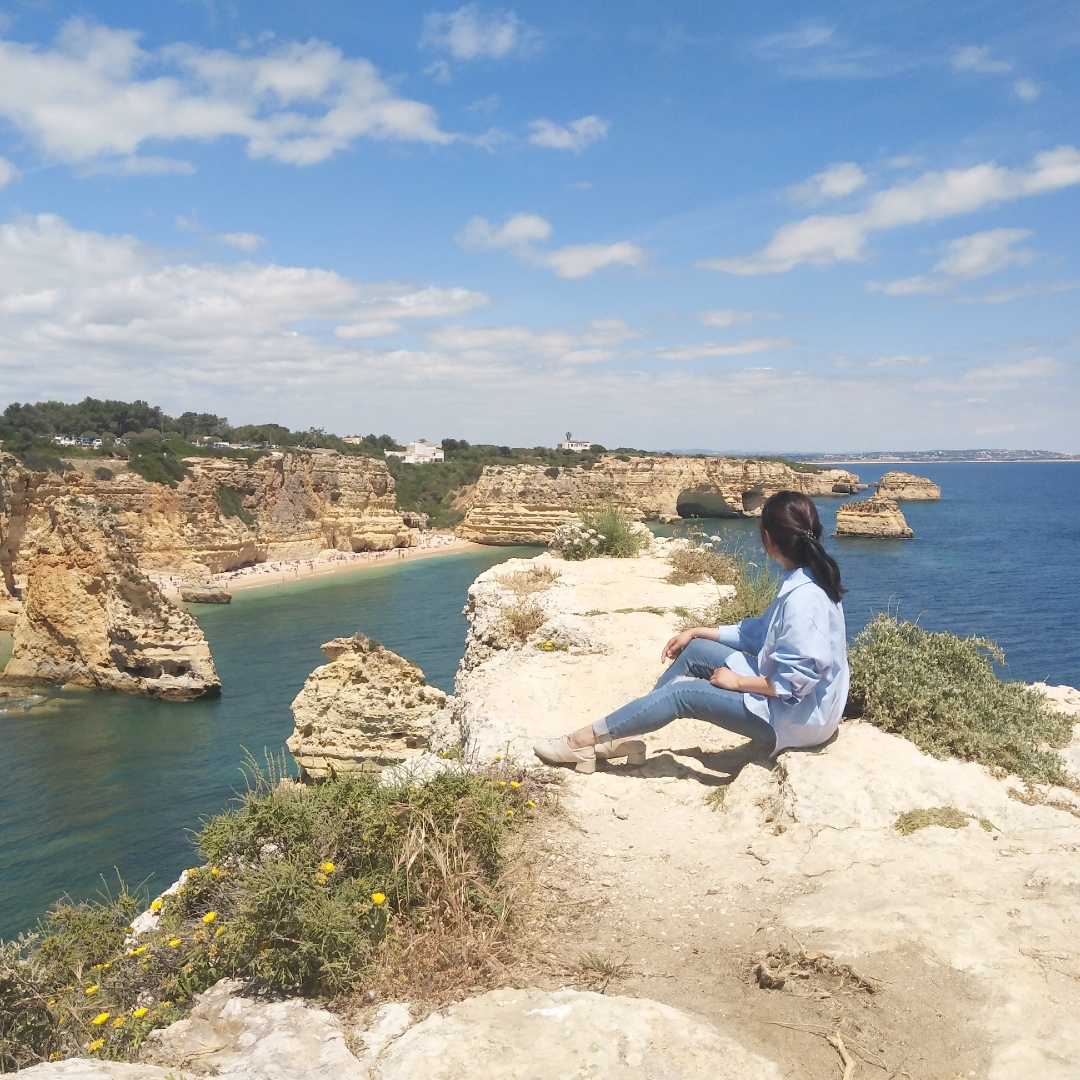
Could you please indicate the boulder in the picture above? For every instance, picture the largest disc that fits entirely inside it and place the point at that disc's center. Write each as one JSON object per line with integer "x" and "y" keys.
{"x": 366, "y": 709}
{"x": 902, "y": 485}
{"x": 194, "y": 593}
{"x": 876, "y": 517}
{"x": 90, "y": 617}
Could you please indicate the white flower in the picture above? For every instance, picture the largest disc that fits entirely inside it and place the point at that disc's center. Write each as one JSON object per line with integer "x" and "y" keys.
{"x": 716, "y": 539}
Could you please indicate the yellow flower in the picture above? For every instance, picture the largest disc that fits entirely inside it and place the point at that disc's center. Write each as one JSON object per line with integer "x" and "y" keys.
{"x": 140, "y": 1012}
{"x": 218, "y": 872}
{"x": 56, "y": 1055}
{"x": 156, "y": 905}
{"x": 95, "y": 967}
{"x": 219, "y": 931}
{"x": 378, "y": 899}
{"x": 193, "y": 869}
{"x": 502, "y": 783}
{"x": 120, "y": 1021}
{"x": 320, "y": 878}
{"x": 173, "y": 942}
{"x": 530, "y": 803}
{"x": 97, "y": 1044}
{"x": 209, "y": 917}
{"x": 93, "y": 988}
{"x": 514, "y": 784}
{"x": 139, "y": 951}
{"x": 100, "y": 1019}
{"x": 509, "y": 813}
{"x": 166, "y": 1004}
{"x": 179, "y": 889}
{"x": 327, "y": 867}
{"x": 107, "y": 964}
{"x": 52, "y": 1001}
{"x": 498, "y": 757}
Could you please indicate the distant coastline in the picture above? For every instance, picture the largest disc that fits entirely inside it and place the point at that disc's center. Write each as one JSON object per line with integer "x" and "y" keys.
{"x": 932, "y": 457}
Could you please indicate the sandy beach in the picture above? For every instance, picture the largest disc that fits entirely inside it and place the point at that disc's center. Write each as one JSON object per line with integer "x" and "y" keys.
{"x": 284, "y": 570}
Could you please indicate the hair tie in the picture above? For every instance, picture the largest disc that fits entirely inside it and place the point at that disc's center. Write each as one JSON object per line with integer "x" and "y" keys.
{"x": 809, "y": 534}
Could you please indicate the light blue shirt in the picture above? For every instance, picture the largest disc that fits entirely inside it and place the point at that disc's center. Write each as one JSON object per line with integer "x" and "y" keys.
{"x": 800, "y": 645}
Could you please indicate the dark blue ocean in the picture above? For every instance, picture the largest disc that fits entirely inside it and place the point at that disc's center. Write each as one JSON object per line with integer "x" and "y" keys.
{"x": 97, "y": 781}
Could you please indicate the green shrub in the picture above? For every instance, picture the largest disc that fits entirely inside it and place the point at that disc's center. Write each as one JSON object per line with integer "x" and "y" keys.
{"x": 755, "y": 589}
{"x": 159, "y": 462}
{"x": 947, "y": 817}
{"x": 302, "y": 889}
{"x": 103, "y": 473}
{"x": 941, "y": 692}
{"x": 231, "y": 504}
{"x": 607, "y": 530}
{"x": 696, "y": 563}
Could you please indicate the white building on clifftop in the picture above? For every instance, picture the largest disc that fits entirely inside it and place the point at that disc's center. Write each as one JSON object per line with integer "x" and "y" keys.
{"x": 578, "y": 445}
{"x": 418, "y": 453}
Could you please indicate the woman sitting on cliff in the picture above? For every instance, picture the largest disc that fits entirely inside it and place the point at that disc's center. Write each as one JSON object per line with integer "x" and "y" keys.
{"x": 781, "y": 679}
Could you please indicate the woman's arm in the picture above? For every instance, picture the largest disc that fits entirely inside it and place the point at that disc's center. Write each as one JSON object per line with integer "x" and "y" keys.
{"x": 727, "y": 679}
{"x": 680, "y": 641}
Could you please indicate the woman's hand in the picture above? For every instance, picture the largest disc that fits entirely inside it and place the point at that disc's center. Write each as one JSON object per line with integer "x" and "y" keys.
{"x": 676, "y": 645}
{"x": 726, "y": 679}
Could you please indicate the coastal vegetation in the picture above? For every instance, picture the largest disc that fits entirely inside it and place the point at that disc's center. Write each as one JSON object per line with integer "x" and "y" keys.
{"x": 707, "y": 559}
{"x": 318, "y": 889}
{"x": 941, "y": 692}
{"x": 606, "y": 530}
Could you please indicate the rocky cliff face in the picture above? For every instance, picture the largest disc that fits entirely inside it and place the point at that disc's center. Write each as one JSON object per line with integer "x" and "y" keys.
{"x": 874, "y": 517}
{"x": 902, "y": 485}
{"x": 365, "y": 709}
{"x": 523, "y": 504}
{"x": 90, "y": 617}
{"x": 278, "y": 507}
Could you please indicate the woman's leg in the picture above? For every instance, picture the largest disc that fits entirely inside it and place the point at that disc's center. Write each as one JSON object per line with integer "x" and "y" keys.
{"x": 687, "y": 698}
{"x": 699, "y": 659}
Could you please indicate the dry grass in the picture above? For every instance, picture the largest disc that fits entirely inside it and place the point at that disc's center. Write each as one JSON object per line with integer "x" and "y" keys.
{"x": 527, "y": 582}
{"x": 948, "y": 817}
{"x": 522, "y": 618}
{"x": 692, "y": 564}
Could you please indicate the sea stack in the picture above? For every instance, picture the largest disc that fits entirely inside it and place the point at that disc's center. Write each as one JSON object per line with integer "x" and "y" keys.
{"x": 90, "y": 617}
{"x": 876, "y": 517}
{"x": 902, "y": 485}
{"x": 366, "y": 709}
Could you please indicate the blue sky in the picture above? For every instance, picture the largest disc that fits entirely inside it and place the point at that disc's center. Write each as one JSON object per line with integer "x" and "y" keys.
{"x": 744, "y": 227}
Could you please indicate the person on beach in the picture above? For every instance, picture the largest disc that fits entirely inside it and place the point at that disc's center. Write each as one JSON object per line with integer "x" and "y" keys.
{"x": 780, "y": 679}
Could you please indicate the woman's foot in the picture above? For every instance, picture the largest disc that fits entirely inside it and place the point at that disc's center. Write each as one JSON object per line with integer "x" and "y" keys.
{"x": 631, "y": 749}
{"x": 560, "y": 752}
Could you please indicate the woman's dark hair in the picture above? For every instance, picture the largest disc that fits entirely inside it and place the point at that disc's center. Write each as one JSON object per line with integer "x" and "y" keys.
{"x": 791, "y": 520}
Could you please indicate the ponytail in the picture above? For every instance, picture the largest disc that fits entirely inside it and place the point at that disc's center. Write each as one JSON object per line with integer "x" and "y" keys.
{"x": 791, "y": 520}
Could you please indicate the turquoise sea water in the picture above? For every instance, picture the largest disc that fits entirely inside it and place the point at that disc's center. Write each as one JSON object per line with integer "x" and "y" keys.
{"x": 99, "y": 780}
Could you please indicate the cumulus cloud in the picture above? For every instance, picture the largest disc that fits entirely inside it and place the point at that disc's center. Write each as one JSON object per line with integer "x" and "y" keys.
{"x": 594, "y": 344}
{"x": 831, "y": 183}
{"x": 824, "y": 239}
{"x": 469, "y": 34}
{"x": 735, "y": 348}
{"x": 978, "y": 58}
{"x": 8, "y": 172}
{"x": 966, "y": 258}
{"x": 521, "y": 232}
{"x": 574, "y": 136}
{"x": 1026, "y": 89}
{"x": 96, "y": 97}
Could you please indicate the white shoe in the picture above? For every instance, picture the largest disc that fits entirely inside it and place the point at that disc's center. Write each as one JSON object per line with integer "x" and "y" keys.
{"x": 560, "y": 752}
{"x": 631, "y": 749}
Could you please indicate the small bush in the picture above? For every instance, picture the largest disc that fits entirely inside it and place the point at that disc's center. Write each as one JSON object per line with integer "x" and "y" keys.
{"x": 755, "y": 590}
{"x": 231, "y": 504}
{"x": 608, "y": 530}
{"x": 695, "y": 563}
{"x": 103, "y": 473}
{"x": 304, "y": 888}
{"x": 522, "y": 618}
{"x": 553, "y": 472}
{"x": 948, "y": 817}
{"x": 941, "y": 692}
{"x": 525, "y": 582}
{"x": 158, "y": 462}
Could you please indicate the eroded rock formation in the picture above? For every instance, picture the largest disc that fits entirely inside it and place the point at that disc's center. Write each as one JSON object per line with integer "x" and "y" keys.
{"x": 524, "y": 504}
{"x": 90, "y": 617}
{"x": 876, "y": 517}
{"x": 902, "y": 485}
{"x": 366, "y": 709}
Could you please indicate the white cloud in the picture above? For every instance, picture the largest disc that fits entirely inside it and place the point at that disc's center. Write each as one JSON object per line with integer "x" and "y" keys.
{"x": 97, "y": 96}
{"x": 188, "y": 222}
{"x": 242, "y": 241}
{"x": 966, "y": 258}
{"x": 822, "y": 239}
{"x": 574, "y": 136}
{"x": 468, "y": 34}
{"x": 832, "y": 183}
{"x": 735, "y": 348}
{"x": 900, "y": 360}
{"x": 731, "y": 317}
{"x": 1013, "y": 373}
{"x": 1026, "y": 89}
{"x": 490, "y": 344}
{"x": 520, "y": 232}
{"x": 485, "y": 106}
{"x": 977, "y": 58}
{"x": 8, "y": 172}
{"x": 1021, "y": 292}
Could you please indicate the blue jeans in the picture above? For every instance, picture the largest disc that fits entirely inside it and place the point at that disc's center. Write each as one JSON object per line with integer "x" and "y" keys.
{"x": 684, "y": 691}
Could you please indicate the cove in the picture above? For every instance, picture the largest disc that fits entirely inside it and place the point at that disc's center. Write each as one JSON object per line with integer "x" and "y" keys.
{"x": 97, "y": 780}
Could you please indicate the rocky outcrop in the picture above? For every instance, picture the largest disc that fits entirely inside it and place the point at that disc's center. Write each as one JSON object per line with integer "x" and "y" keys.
{"x": 366, "y": 709}
{"x": 194, "y": 593}
{"x": 902, "y": 485}
{"x": 796, "y": 867}
{"x": 90, "y": 617}
{"x": 524, "y": 504}
{"x": 876, "y": 517}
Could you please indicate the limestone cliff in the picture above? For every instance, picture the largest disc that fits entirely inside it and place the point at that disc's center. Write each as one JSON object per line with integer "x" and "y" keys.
{"x": 90, "y": 617}
{"x": 523, "y": 504}
{"x": 902, "y": 485}
{"x": 365, "y": 709}
{"x": 874, "y": 517}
